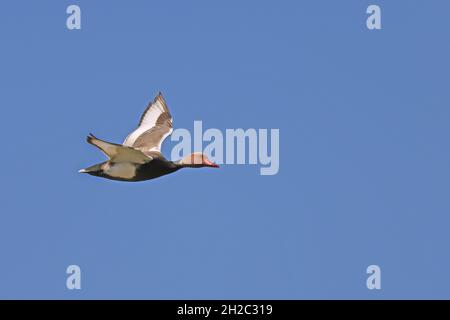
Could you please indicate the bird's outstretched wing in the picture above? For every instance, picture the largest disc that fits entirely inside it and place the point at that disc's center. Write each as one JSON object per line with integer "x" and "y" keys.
{"x": 155, "y": 126}
{"x": 118, "y": 153}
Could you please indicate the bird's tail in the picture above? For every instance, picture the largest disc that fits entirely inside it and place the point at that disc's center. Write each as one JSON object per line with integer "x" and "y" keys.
{"x": 92, "y": 169}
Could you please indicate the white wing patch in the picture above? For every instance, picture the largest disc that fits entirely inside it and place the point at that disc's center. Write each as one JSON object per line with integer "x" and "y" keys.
{"x": 157, "y": 117}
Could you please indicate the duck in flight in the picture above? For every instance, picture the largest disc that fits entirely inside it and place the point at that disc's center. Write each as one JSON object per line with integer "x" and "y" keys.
{"x": 139, "y": 158}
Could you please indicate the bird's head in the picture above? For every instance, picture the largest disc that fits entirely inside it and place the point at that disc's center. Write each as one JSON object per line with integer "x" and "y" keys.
{"x": 197, "y": 160}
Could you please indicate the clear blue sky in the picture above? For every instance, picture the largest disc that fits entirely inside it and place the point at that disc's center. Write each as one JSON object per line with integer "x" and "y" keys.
{"x": 364, "y": 153}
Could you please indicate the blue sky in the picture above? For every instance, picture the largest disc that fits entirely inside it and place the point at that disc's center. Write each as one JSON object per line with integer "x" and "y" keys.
{"x": 364, "y": 149}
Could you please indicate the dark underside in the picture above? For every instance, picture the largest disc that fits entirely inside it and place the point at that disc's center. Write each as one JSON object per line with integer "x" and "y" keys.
{"x": 153, "y": 169}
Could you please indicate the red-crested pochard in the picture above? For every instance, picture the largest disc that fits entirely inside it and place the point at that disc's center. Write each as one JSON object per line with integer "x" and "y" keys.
{"x": 139, "y": 157}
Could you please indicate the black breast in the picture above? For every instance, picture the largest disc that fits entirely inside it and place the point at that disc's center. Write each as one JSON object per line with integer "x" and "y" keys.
{"x": 154, "y": 169}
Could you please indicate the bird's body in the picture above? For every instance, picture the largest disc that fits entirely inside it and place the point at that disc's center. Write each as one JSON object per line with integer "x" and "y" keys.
{"x": 134, "y": 172}
{"x": 139, "y": 158}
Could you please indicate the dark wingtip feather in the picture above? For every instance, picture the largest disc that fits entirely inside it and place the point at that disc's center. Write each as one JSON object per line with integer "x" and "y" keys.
{"x": 90, "y": 137}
